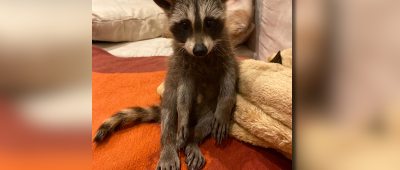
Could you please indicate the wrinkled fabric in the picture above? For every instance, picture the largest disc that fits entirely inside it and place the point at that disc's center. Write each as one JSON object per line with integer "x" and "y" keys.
{"x": 127, "y": 20}
{"x": 276, "y": 27}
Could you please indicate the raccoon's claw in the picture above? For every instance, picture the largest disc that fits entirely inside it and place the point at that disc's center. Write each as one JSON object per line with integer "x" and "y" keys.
{"x": 220, "y": 130}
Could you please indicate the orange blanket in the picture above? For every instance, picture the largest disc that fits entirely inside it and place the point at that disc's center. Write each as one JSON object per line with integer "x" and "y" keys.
{"x": 118, "y": 83}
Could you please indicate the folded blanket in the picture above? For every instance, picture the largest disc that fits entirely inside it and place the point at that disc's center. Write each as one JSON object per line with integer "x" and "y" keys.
{"x": 263, "y": 115}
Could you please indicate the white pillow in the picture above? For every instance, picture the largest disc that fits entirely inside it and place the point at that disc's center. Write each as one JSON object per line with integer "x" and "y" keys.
{"x": 127, "y": 20}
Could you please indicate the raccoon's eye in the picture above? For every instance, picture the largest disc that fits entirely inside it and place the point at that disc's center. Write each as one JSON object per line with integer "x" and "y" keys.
{"x": 185, "y": 25}
{"x": 209, "y": 23}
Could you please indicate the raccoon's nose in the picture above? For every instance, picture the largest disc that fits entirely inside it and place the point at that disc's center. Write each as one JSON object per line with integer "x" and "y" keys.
{"x": 200, "y": 50}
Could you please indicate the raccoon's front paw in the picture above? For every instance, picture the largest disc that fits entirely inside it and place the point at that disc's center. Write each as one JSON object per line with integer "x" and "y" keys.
{"x": 169, "y": 160}
{"x": 182, "y": 135}
{"x": 220, "y": 128}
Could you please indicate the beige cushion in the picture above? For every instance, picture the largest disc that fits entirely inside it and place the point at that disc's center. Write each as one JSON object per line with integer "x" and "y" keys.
{"x": 127, "y": 20}
{"x": 276, "y": 27}
{"x": 239, "y": 14}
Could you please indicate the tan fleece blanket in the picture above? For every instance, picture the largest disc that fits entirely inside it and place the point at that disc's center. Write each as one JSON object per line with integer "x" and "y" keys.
{"x": 263, "y": 115}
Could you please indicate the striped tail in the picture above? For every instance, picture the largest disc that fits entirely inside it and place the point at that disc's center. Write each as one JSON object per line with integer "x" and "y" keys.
{"x": 135, "y": 114}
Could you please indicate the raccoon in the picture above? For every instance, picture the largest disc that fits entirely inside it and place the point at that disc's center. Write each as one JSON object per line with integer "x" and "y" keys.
{"x": 200, "y": 84}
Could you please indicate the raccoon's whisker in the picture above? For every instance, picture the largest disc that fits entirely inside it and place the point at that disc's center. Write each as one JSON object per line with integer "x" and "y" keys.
{"x": 181, "y": 50}
{"x": 225, "y": 53}
{"x": 219, "y": 47}
{"x": 223, "y": 48}
{"x": 235, "y": 48}
{"x": 221, "y": 53}
{"x": 215, "y": 47}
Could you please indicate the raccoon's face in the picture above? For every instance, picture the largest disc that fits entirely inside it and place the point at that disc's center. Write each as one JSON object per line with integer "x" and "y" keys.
{"x": 196, "y": 24}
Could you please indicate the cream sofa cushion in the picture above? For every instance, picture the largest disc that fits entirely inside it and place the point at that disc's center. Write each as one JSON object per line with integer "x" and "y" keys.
{"x": 275, "y": 27}
{"x": 127, "y": 20}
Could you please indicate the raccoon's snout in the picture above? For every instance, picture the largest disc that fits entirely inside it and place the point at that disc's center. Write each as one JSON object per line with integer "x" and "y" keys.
{"x": 200, "y": 50}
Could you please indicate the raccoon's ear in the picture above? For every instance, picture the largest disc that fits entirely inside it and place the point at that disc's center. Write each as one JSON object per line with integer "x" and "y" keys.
{"x": 164, "y": 4}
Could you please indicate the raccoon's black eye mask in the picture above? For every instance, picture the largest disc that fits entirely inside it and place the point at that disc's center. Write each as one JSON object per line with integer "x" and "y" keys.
{"x": 181, "y": 30}
{"x": 209, "y": 22}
